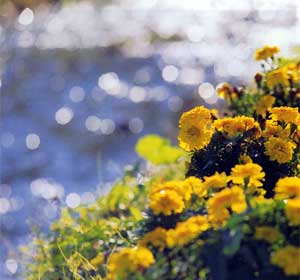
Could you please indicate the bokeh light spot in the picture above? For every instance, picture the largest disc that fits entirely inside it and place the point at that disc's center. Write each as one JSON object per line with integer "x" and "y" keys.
{"x": 46, "y": 189}
{"x": 92, "y": 123}
{"x": 110, "y": 83}
{"x": 64, "y": 115}
{"x": 26, "y": 17}
{"x": 206, "y": 90}
{"x": 137, "y": 94}
{"x": 170, "y": 73}
{"x": 107, "y": 126}
{"x": 191, "y": 76}
{"x": 7, "y": 139}
{"x": 73, "y": 200}
{"x": 136, "y": 125}
{"x": 4, "y": 205}
{"x": 77, "y": 94}
{"x": 11, "y": 265}
{"x": 87, "y": 198}
{"x": 32, "y": 141}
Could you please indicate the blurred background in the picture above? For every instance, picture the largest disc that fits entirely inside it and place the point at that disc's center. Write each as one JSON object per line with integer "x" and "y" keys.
{"x": 81, "y": 81}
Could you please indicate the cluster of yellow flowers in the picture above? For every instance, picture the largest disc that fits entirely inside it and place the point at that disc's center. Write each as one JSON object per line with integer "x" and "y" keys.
{"x": 280, "y": 140}
{"x": 287, "y": 257}
{"x": 183, "y": 210}
{"x": 182, "y": 234}
{"x": 171, "y": 197}
{"x": 128, "y": 260}
{"x": 245, "y": 179}
{"x": 222, "y": 199}
{"x": 196, "y": 127}
{"x": 275, "y": 130}
{"x": 284, "y": 75}
{"x": 234, "y": 126}
{"x": 223, "y": 195}
{"x": 239, "y": 201}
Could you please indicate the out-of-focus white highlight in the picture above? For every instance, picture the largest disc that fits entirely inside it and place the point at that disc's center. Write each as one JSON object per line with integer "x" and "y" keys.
{"x": 4, "y": 205}
{"x": 32, "y": 141}
{"x": 73, "y": 200}
{"x": 136, "y": 125}
{"x": 26, "y": 17}
{"x": 11, "y": 265}
{"x": 170, "y": 73}
{"x": 64, "y": 115}
{"x": 77, "y": 94}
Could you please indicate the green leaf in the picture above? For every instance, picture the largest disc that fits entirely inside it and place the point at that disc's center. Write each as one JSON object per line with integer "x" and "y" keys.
{"x": 157, "y": 150}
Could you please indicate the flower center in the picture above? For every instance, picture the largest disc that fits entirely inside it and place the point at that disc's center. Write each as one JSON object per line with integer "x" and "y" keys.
{"x": 193, "y": 131}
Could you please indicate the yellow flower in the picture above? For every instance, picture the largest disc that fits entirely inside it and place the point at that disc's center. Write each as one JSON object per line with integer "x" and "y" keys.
{"x": 288, "y": 258}
{"x": 268, "y": 234}
{"x": 128, "y": 260}
{"x": 277, "y": 77}
{"x": 216, "y": 181}
{"x": 195, "y": 129}
{"x": 265, "y": 52}
{"x": 292, "y": 211}
{"x": 183, "y": 188}
{"x": 288, "y": 187}
{"x": 273, "y": 129}
{"x": 187, "y": 231}
{"x": 166, "y": 202}
{"x": 196, "y": 185}
{"x": 264, "y": 104}
{"x": 230, "y": 198}
{"x": 237, "y": 125}
{"x": 98, "y": 260}
{"x": 279, "y": 149}
{"x": 286, "y": 114}
{"x": 142, "y": 257}
{"x": 169, "y": 198}
{"x": 157, "y": 238}
{"x": 225, "y": 91}
{"x": 250, "y": 173}
{"x": 293, "y": 70}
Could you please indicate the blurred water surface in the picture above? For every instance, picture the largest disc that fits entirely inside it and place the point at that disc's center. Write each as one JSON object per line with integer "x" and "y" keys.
{"x": 81, "y": 83}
